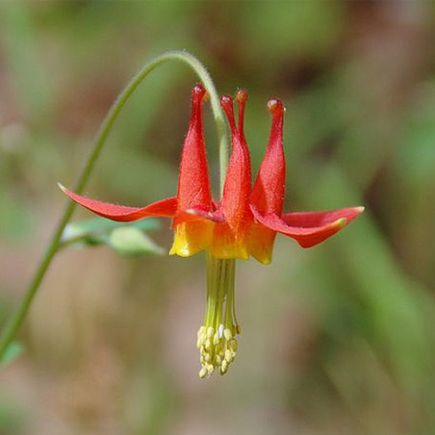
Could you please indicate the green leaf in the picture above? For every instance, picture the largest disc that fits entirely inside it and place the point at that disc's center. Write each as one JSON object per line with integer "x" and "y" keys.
{"x": 129, "y": 240}
{"x": 95, "y": 231}
{"x": 14, "y": 350}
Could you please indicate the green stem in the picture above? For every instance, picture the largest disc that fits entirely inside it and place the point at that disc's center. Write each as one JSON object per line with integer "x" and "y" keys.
{"x": 17, "y": 319}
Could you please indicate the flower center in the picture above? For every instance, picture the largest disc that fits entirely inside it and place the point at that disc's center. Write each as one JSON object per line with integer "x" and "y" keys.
{"x": 216, "y": 338}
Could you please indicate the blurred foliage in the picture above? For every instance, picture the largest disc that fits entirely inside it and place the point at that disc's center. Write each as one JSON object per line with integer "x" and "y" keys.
{"x": 126, "y": 239}
{"x": 336, "y": 340}
{"x": 14, "y": 350}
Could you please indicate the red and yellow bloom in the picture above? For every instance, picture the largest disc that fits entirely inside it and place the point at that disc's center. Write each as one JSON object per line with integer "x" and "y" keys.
{"x": 243, "y": 223}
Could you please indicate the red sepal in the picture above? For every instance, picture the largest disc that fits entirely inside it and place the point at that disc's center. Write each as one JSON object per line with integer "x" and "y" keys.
{"x": 164, "y": 208}
{"x": 308, "y": 228}
{"x": 197, "y": 214}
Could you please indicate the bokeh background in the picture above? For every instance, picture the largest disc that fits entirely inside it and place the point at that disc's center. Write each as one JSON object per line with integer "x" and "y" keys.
{"x": 337, "y": 339}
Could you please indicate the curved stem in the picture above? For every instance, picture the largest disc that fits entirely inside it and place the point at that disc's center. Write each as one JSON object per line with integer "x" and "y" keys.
{"x": 16, "y": 320}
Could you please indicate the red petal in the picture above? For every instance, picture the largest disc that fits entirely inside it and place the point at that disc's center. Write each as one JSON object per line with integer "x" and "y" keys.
{"x": 268, "y": 191}
{"x": 193, "y": 182}
{"x": 237, "y": 187}
{"x": 309, "y": 228}
{"x": 164, "y": 208}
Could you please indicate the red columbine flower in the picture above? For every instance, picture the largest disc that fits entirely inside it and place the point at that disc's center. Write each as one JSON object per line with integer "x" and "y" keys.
{"x": 243, "y": 224}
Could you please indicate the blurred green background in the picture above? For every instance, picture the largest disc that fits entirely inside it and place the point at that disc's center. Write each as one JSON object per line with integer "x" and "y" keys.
{"x": 338, "y": 339}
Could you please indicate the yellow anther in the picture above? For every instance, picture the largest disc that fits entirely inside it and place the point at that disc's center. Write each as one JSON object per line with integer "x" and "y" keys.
{"x": 208, "y": 344}
{"x": 233, "y": 345}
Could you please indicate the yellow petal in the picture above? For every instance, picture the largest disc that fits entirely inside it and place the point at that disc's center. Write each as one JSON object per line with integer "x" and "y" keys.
{"x": 228, "y": 244}
{"x": 260, "y": 243}
{"x": 191, "y": 237}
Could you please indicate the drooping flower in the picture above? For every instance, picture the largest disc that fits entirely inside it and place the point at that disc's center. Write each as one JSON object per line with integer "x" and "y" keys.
{"x": 243, "y": 223}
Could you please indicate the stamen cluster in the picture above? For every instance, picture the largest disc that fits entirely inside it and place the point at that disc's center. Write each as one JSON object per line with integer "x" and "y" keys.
{"x": 217, "y": 349}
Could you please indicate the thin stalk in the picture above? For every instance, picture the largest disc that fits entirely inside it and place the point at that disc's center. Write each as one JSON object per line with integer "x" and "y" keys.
{"x": 17, "y": 318}
{"x": 211, "y": 280}
{"x": 229, "y": 303}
